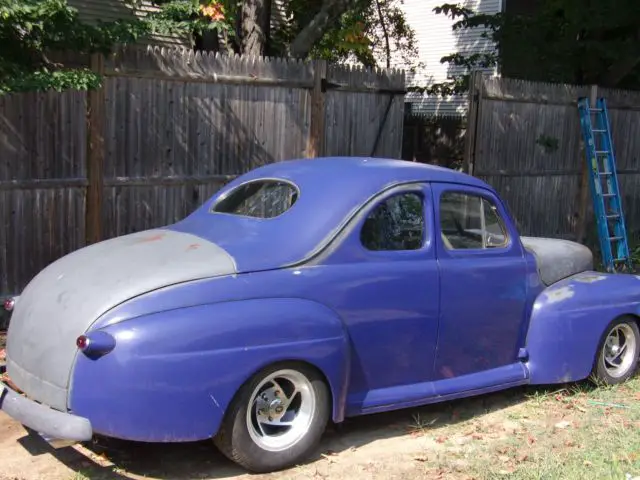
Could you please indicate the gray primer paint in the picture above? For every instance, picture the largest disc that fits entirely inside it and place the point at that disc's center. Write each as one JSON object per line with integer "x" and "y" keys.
{"x": 63, "y": 300}
{"x": 557, "y": 259}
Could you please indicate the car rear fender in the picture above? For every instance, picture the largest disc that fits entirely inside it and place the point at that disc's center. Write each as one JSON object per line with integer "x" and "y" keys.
{"x": 569, "y": 320}
{"x": 173, "y": 374}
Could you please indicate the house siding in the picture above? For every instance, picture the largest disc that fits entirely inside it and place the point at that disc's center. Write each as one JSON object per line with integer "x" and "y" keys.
{"x": 110, "y": 10}
{"x": 435, "y": 39}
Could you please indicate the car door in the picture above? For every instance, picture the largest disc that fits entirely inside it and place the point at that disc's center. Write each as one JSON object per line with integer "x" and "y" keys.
{"x": 483, "y": 279}
{"x": 387, "y": 293}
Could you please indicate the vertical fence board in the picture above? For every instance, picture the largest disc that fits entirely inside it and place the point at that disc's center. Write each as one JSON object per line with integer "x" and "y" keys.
{"x": 42, "y": 182}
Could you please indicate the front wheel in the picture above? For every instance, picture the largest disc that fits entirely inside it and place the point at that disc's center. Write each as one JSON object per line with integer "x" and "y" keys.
{"x": 618, "y": 355}
{"x": 276, "y": 419}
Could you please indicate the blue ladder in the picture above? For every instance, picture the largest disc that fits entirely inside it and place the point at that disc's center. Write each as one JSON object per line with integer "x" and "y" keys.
{"x": 607, "y": 204}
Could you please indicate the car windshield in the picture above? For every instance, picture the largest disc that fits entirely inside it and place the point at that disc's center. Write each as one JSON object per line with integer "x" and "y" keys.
{"x": 259, "y": 199}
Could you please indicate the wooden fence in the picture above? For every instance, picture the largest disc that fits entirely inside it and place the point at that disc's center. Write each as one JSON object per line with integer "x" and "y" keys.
{"x": 524, "y": 138}
{"x": 169, "y": 128}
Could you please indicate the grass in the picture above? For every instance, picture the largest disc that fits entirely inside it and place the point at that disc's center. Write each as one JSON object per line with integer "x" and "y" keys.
{"x": 569, "y": 433}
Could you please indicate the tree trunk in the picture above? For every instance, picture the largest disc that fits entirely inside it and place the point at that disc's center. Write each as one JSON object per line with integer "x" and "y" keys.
{"x": 385, "y": 33}
{"x": 254, "y": 27}
{"x": 315, "y": 29}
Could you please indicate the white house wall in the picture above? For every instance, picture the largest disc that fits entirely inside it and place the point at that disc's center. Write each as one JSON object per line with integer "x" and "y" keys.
{"x": 436, "y": 39}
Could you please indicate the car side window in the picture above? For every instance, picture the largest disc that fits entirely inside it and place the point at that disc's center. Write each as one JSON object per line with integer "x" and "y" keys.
{"x": 470, "y": 221}
{"x": 396, "y": 223}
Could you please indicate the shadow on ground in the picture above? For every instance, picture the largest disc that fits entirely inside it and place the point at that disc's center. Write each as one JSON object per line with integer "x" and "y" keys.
{"x": 202, "y": 460}
{"x": 118, "y": 459}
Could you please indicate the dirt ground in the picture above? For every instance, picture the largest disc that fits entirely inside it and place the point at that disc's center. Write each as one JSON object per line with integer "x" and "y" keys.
{"x": 386, "y": 446}
{"x": 575, "y": 432}
{"x": 524, "y": 433}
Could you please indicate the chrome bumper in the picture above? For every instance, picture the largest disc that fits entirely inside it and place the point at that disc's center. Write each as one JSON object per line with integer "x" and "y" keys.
{"x": 59, "y": 429}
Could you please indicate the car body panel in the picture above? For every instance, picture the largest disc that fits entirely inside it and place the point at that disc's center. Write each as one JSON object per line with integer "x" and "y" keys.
{"x": 568, "y": 322}
{"x": 181, "y": 375}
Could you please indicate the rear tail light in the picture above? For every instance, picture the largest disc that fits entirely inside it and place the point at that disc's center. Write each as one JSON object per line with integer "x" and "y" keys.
{"x": 82, "y": 342}
{"x": 9, "y": 304}
{"x": 95, "y": 344}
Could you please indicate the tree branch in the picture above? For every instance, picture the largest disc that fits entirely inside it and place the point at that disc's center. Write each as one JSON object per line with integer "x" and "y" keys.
{"x": 316, "y": 28}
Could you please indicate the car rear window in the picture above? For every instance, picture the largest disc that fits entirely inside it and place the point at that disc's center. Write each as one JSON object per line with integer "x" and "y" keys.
{"x": 259, "y": 199}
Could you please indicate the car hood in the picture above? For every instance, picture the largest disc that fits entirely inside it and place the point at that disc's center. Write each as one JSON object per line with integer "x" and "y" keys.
{"x": 68, "y": 296}
{"x": 558, "y": 259}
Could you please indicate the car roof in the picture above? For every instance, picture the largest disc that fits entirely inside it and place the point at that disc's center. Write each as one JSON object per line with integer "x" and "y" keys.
{"x": 331, "y": 190}
{"x": 376, "y": 173}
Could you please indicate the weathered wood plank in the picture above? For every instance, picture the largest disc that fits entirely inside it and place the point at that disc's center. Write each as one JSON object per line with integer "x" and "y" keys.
{"x": 169, "y": 128}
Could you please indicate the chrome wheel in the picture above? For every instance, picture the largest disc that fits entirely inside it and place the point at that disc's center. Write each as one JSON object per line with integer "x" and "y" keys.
{"x": 281, "y": 410}
{"x": 620, "y": 350}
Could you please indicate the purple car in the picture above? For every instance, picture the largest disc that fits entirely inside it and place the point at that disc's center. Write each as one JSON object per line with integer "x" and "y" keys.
{"x": 304, "y": 292}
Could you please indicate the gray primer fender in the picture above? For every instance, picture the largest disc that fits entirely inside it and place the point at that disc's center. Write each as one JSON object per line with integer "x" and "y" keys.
{"x": 68, "y": 296}
{"x": 558, "y": 259}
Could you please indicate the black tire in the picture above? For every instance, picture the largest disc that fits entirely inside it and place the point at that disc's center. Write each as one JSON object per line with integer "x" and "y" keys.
{"x": 235, "y": 441}
{"x": 601, "y": 374}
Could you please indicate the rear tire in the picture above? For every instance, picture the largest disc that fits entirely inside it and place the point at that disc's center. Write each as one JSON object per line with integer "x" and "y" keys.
{"x": 617, "y": 359}
{"x": 277, "y": 418}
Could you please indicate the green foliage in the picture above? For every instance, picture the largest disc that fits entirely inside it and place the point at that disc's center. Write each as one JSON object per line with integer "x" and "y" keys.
{"x": 358, "y": 34}
{"x": 563, "y": 41}
{"x": 189, "y": 17}
{"x": 30, "y": 29}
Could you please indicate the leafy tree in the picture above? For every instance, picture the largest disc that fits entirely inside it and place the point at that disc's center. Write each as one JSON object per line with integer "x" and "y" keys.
{"x": 565, "y": 41}
{"x": 335, "y": 30}
{"x": 30, "y": 29}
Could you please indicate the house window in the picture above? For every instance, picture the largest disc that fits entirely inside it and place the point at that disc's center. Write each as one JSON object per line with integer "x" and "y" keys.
{"x": 470, "y": 221}
{"x": 396, "y": 223}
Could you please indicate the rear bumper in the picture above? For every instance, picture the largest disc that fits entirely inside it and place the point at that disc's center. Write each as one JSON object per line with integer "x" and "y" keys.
{"x": 58, "y": 428}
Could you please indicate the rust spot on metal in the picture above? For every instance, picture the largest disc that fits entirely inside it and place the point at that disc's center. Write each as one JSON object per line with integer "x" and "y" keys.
{"x": 152, "y": 238}
{"x": 193, "y": 246}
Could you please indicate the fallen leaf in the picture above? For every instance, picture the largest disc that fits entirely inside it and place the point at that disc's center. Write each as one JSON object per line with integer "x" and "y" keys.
{"x": 421, "y": 459}
{"x": 476, "y": 436}
{"x": 441, "y": 439}
{"x": 523, "y": 458}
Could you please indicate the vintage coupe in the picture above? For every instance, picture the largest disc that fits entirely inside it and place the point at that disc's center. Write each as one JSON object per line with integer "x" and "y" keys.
{"x": 305, "y": 292}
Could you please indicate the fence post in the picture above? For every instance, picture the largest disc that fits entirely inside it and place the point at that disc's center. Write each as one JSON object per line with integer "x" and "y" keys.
{"x": 95, "y": 155}
{"x": 583, "y": 189}
{"x": 475, "y": 99}
{"x": 315, "y": 145}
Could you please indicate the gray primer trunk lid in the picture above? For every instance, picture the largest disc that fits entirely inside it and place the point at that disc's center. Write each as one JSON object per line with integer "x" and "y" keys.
{"x": 63, "y": 300}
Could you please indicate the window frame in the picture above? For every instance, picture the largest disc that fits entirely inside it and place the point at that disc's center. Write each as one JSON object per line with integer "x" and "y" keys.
{"x": 232, "y": 190}
{"x": 493, "y": 201}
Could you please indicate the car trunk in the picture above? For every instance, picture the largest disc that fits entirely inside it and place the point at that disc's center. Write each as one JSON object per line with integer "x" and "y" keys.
{"x": 68, "y": 296}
